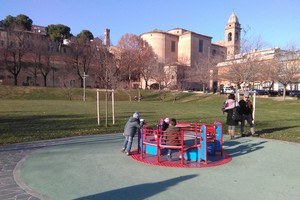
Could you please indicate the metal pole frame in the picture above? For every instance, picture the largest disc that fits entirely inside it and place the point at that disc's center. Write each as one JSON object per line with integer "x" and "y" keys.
{"x": 84, "y": 77}
{"x": 112, "y": 105}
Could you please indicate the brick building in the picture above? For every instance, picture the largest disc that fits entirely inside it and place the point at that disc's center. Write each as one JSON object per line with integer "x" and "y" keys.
{"x": 185, "y": 52}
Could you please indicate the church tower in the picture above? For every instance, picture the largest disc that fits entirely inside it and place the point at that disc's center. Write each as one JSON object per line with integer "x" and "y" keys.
{"x": 106, "y": 37}
{"x": 233, "y": 36}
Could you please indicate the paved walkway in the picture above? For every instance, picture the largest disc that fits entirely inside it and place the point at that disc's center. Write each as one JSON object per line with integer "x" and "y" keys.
{"x": 92, "y": 167}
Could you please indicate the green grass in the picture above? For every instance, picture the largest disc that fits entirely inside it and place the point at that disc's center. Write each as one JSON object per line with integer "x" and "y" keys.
{"x": 29, "y": 114}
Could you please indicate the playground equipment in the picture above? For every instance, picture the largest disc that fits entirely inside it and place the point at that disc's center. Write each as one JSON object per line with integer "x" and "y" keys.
{"x": 106, "y": 105}
{"x": 197, "y": 143}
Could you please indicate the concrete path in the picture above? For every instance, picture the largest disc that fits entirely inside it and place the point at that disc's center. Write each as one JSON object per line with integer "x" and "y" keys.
{"x": 92, "y": 167}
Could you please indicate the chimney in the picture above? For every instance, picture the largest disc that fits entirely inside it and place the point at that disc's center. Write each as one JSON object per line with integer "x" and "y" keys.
{"x": 107, "y": 37}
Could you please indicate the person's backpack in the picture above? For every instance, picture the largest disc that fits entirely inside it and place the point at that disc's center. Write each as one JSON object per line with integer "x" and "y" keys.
{"x": 236, "y": 116}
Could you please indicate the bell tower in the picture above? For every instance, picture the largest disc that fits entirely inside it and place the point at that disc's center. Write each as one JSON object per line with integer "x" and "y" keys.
{"x": 233, "y": 36}
{"x": 107, "y": 37}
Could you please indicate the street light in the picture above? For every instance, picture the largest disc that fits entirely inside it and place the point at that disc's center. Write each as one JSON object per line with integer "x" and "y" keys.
{"x": 84, "y": 76}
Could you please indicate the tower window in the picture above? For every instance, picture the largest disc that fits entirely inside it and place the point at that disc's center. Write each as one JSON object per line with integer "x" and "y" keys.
{"x": 201, "y": 46}
{"x": 229, "y": 37}
{"x": 173, "y": 46}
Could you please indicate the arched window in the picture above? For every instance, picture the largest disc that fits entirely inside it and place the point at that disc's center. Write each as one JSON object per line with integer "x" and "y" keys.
{"x": 229, "y": 37}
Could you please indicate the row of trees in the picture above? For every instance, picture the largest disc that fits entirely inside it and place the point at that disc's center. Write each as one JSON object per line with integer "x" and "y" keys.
{"x": 38, "y": 55}
{"x": 265, "y": 67}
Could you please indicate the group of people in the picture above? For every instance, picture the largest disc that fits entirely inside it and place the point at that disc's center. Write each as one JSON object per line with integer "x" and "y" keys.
{"x": 172, "y": 133}
{"x": 243, "y": 108}
{"x": 133, "y": 126}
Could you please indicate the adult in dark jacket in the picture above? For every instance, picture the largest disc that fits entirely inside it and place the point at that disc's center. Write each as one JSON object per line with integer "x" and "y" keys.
{"x": 165, "y": 124}
{"x": 246, "y": 110}
{"x": 131, "y": 128}
{"x": 173, "y": 136}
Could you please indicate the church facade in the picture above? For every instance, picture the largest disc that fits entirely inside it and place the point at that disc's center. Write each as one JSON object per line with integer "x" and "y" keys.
{"x": 194, "y": 62}
{"x": 192, "y": 57}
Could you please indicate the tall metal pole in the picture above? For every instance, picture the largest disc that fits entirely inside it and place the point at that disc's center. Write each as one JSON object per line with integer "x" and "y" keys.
{"x": 84, "y": 76}
{"x": 254, "y": 105}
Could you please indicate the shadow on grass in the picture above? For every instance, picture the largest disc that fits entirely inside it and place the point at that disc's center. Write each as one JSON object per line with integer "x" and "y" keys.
{"x": 39, "y": 117}
{"x": 41, "y": 127}
{"x": 271, "y": 130}
{"x": 43, "y": 123}
{"x": 142, "y": 191}
{"x": 68, "y": 141}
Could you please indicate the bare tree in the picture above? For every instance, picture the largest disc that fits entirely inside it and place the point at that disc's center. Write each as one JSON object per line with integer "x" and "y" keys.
{"x": 81, "y": 56}
{"x": 14, "y": 51}
{"x": 245, "y": 68}
{"x": 105, "y": 68}
{"x": 37, "y": 49}
{"x": 158, "y": 74}
{"x": 65, "y": 82}
{"x": 47, "y": 62}
{"x": 287, "y": 67}
{"x": 130, "y": 46}
{"x": 200, "y": 72}
{"x": 148, "y": 61}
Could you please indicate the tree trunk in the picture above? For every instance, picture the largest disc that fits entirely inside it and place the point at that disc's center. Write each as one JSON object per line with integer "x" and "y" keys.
{"x": 284, "y": 91}
{"x": 16, "y": 79}
{"x": 45, "y": 81}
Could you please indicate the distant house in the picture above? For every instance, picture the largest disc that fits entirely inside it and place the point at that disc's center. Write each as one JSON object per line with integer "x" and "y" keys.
{"x": 258, "y": 66}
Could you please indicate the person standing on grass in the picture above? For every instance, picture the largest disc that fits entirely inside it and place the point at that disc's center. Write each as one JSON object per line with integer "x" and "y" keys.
{"x": 131, "y": 128}
{"x": 246, "y": 110}
{"x": 228, "y": 107}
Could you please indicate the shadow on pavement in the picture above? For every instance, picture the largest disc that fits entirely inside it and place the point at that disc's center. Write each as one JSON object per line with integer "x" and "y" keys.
{"x": 142, "y": 191}
{"x": 239, "y": 148}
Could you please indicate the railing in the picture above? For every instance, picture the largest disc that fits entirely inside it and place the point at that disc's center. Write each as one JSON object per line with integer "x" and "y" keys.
{"x": 202, "y": 138}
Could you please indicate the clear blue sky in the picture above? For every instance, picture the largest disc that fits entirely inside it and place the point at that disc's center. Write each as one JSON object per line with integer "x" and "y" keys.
{"x": 276, "y": 22}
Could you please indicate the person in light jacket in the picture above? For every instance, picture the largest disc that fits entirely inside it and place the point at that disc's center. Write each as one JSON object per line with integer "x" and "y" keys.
{"x": 228, "y": 107}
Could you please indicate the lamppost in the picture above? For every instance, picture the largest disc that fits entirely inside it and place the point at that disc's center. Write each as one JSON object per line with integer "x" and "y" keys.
{"x": 84, "y": 76}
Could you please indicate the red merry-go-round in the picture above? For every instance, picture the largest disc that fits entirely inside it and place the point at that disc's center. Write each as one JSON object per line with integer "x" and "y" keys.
{"x": 200, "y": 145}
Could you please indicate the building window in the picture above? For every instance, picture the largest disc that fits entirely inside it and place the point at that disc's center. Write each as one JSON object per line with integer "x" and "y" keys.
{"x": 200, "y": 46}
{"x": 214, "y": 52}
{"x": 229, "y": 37}
{"x": 173, "y": 46}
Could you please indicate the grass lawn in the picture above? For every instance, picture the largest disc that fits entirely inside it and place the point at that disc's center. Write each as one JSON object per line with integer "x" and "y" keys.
{"x": 24, "y": 119}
